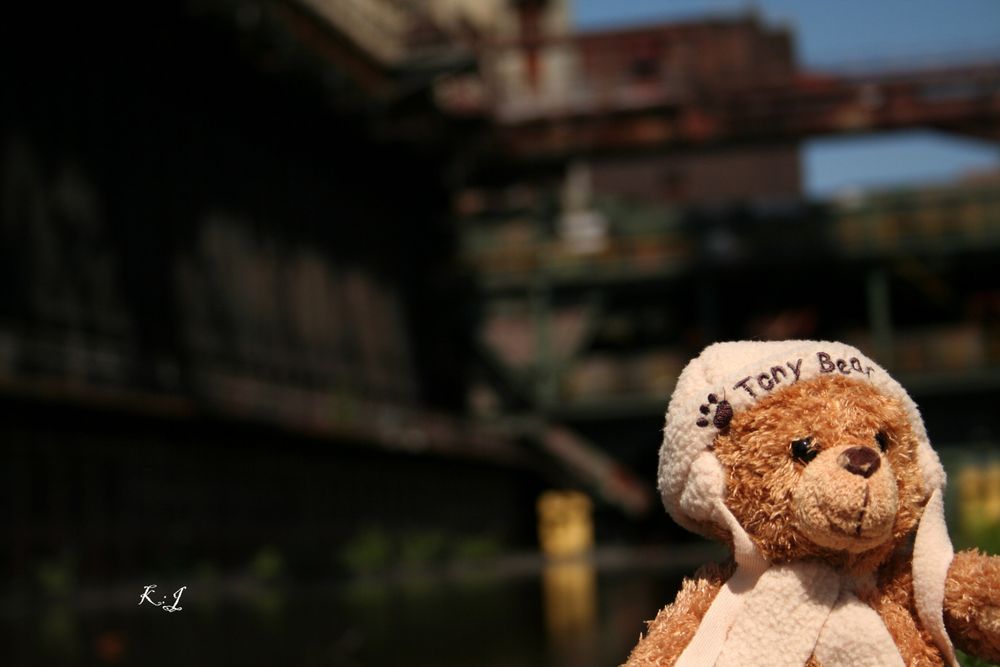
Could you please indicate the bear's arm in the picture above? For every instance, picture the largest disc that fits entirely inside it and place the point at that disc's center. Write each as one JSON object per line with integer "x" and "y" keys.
{"x": 972, "y": 604}
{"x": 674, "y": 627}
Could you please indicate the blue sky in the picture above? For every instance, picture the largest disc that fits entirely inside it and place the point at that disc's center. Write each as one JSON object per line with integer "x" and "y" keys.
{"x": 854, "y": 34}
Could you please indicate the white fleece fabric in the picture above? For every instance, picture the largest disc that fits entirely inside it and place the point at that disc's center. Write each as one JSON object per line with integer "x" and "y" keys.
{"x": 708, "y": 642}
{"x": 854, "y": 635}
{"x": 932, "y": 556}
{"x": 782, "y": 617}
{"x": 739, "y": 627}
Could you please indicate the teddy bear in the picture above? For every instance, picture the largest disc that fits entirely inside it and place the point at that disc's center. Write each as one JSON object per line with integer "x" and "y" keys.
{"x": 813, "y": 466}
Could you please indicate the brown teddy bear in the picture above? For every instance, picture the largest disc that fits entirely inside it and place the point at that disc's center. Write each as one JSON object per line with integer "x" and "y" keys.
{"x": 814, "y": 466}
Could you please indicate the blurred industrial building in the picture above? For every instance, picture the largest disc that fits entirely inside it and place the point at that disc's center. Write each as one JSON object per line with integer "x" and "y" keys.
{"x": 335, "y": 289}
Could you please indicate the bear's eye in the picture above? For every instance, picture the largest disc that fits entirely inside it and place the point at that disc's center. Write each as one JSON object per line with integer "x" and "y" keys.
{"x": 883, "y": 440}
{"x": 802, "y": 450}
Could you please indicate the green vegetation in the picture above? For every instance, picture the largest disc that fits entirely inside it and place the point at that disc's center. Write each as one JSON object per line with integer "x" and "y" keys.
{"x": 969, "y": 661}
{"x": 376, "y": 550}
{"x": 267, "y": 564}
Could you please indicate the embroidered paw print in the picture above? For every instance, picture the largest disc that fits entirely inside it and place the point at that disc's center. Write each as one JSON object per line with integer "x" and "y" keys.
{"x": 723, "y": 412}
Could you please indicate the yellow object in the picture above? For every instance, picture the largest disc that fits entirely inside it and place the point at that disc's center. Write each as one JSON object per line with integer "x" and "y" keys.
{"x": 569, "y": 579}
{"x": 979, "y": 494}
{"x": 565, "y": 526}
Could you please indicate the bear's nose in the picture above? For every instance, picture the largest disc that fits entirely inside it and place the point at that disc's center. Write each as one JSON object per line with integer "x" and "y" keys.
{"x": 862, "y": 461}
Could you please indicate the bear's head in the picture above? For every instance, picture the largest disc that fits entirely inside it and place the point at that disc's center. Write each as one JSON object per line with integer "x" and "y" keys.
{"x": 798, "y": 449}
{"x": 826, "y": 467}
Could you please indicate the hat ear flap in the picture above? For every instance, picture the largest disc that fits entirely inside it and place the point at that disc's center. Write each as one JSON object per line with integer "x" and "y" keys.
{"x": 932, "y": 555}
{"x": 708, "y": 499}
{"x": 705, "y": 487}
{"x": 703, "y": 499}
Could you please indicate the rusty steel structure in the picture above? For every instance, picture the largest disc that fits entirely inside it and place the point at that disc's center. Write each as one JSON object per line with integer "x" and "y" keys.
{"x": 694, "y": 84}
{"x": 961, "y": 99}
{"x": 717, "y": 82}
